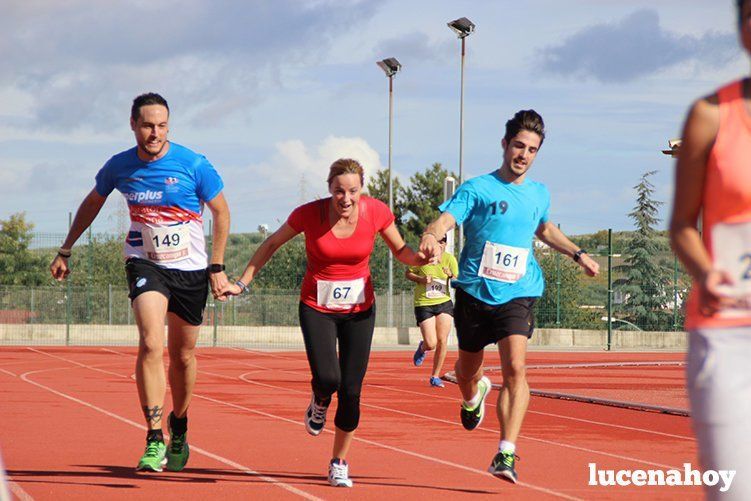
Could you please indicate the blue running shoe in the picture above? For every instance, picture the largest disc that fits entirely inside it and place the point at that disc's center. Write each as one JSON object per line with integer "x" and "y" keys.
{"x": 419, "y": 357}
{"x": 436, "y": 381}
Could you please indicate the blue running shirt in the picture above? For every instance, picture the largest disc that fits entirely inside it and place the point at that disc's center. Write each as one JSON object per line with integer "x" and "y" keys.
{"x": 497, "y": 263}
{"x": 165, "y": 199}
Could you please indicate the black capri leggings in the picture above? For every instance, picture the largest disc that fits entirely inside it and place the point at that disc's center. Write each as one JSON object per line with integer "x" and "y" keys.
{"x": 345, "y": 374}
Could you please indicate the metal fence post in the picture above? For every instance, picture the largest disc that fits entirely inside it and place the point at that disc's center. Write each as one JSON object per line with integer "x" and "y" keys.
{"x": 31, "y": 306}
{"x": 675, "y": 292}
{"x": 68, "y": 295}
{"x": 109, "y": 303}
{"x": 558, "y": 286}
{"x": 89, "y": 267}
{"x": 610, "y": 287}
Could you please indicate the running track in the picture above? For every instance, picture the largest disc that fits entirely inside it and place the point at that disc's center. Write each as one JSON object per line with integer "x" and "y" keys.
{"x": 70, "y": 429}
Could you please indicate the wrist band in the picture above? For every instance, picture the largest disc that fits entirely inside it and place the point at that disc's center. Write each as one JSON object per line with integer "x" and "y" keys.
{"x": 242, "y": 285}
{"x": 64, "y": 252}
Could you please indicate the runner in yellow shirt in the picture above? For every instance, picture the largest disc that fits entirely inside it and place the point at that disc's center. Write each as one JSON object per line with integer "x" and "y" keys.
{"x": 434, "y": 309}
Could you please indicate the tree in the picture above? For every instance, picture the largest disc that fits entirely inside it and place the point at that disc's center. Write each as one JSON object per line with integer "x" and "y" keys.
{"x": 563, "y": 294}
{"x": 423, "y": 196}
{"x": 644, "y": 281}
{"x": 378, "y": 187}
{"x": 18, "y": 264}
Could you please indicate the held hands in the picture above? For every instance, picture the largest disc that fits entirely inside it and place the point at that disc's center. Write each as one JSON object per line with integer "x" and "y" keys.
{"x": 59, "y": 268}
{"x": 430, "y": 248}
{"x": 219, "y": 284}
{"x": 231, "y": 290}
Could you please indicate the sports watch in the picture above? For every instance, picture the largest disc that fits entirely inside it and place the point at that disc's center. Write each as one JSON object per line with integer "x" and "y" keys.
{"x": 578, "y": 255}
{"x": 216, "y": 268}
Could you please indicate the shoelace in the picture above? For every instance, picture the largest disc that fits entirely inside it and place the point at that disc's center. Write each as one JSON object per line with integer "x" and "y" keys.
{"x": 319, "y": 412}
{"x": 339, "y": 471}
{"x": 508, "y": 459}
{"x": 152, "y": 449}
{"x": 176, "y": 443}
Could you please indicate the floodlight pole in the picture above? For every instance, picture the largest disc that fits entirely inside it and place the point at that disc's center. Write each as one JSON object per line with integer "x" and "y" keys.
{"x": 461, "y": 138}
{"x": 391, "y": 67}
{"x": 390, "y": 300}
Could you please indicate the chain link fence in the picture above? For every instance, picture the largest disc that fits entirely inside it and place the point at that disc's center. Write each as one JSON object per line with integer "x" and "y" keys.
{"x": 92, "y": 306}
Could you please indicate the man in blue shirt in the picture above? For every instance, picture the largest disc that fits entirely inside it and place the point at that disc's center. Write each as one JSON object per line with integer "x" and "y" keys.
{"x": 165, "y": 186}
{"x": 499, "y": 278}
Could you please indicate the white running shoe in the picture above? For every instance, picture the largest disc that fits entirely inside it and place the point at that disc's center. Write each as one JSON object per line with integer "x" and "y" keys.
{"x": 339, "y": 473}
{"x": 315, "y": 416}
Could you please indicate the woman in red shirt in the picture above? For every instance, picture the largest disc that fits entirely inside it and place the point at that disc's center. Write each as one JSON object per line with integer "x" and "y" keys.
{"x": 337, "y": 300}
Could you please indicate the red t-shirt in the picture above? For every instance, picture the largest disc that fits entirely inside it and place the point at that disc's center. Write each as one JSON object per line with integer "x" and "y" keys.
{"x": 341, "y": 265}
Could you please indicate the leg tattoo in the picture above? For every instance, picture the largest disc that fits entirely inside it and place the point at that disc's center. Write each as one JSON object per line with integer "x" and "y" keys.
{"x": 153, "y": 415}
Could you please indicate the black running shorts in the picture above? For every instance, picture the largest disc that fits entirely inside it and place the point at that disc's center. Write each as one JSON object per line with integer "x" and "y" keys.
{"x": 186, "y": 290}
{"x": 423, "y": 313}
{"x": 479, "y": 324}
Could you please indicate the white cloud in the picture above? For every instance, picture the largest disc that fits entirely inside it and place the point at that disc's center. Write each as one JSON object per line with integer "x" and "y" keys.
{"x": 295, "y": 173}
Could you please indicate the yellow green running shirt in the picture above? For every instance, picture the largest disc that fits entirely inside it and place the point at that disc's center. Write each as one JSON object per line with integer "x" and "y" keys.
{"x": 436, "y": 292}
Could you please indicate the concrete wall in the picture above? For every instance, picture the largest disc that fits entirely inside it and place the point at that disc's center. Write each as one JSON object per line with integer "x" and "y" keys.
{"x": 290, "y": 337}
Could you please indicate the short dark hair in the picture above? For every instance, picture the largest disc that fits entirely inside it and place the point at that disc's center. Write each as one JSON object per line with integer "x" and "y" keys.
{"x": 525, "y": 120}
{"x": 146, "y": 100}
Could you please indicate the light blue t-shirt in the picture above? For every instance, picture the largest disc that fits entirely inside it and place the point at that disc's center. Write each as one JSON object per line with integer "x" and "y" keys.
{"x": 507, "y": 215}
{"x": 165, "y": 199}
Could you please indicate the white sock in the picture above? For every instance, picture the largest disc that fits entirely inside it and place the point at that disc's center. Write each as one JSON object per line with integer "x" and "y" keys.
{"x": 506, "y": 446}
{"x": 471, "y": 404}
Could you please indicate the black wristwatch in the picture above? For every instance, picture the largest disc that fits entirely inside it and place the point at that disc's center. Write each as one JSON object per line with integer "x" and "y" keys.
{"x": 216, "y": 268}
{"x": 578, "y": 255}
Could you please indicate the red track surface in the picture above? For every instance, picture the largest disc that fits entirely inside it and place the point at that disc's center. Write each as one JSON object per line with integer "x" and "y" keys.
{"x": 71, "y": 429}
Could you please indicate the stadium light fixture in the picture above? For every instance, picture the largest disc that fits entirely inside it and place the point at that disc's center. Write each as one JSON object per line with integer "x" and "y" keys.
{"x": 390, "y": 67}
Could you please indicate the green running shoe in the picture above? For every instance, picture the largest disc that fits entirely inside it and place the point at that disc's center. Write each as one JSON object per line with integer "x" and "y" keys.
{"x": 153, "y": 459}
{"x": 177, "y": 452}
{"x": 471, "y": 418}
{"x": 503, "y": 466}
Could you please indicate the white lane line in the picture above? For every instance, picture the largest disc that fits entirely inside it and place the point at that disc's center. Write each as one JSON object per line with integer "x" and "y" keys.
{"x": 455, "y": 424}
{"x": 369, "y": 442}
{"x": 216, "y": 457}
{"x": 560, "y": 416}
{"x": 17, "y": 491}
{"x": 8, "y": 372}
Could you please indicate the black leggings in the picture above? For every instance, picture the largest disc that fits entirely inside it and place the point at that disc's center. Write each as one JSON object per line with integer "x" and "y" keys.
{"x": 345, "y": 374}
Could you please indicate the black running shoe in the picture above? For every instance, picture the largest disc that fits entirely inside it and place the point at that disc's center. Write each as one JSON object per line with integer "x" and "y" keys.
{"x": 503, "y": 466}
{"x": 471, "y": 418}
{"x": 315, "y": 416}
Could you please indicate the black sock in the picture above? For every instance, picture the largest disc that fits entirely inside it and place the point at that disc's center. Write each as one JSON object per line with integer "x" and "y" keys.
{"x": 154, "y": 436}
{"x": 178, "y": 426}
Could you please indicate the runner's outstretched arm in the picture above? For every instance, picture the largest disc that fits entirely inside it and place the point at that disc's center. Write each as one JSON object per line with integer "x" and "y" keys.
{"x": 85, "y": 215}
{"x": 261, "y": 256}
{"x": 433, "y": 233}
{"x": 552, "y": 236}
{"x": 401, "y": 250}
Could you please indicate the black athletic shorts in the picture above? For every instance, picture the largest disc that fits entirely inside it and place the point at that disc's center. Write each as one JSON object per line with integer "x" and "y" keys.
{"x": 423, "y": 313}
{"x": 479, "y": 324}
{"x": 186, "y": 290}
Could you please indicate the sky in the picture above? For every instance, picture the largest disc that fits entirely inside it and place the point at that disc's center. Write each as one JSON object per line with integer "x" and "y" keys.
{"x": 273, "y": 91}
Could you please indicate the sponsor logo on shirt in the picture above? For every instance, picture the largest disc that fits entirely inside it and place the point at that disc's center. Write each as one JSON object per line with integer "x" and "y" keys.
{"x": 143, "y": 196}
{"x": 171, "y": 180}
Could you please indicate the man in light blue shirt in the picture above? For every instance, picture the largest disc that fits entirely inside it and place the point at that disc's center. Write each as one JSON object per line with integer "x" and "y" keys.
{"x": 499, "y": 278}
